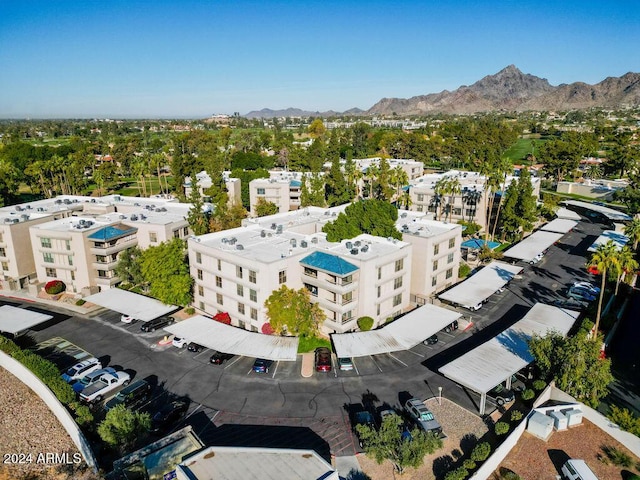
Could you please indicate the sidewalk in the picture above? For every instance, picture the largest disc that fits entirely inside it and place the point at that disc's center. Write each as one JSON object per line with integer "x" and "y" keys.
{"x": 23, "y": 296}
{"x": 349, "y": 468}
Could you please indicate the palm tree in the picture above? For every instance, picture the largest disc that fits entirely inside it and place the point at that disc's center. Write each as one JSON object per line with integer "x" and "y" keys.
{"x": 626, "y": 264}
{"x": 471, "y": 199}
{"x": 504, "y": 167}
{"x": 632, "y": 230}
{"x": 453, "y": 189}
{"x": 399, "y": 178}
{"x": 440, "y": 190}
{"x": 604, "y": 259}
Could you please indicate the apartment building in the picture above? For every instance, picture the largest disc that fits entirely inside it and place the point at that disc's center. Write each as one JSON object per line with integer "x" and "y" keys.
{"x": 203, "y": 182}
{"x": 281, "y": 188}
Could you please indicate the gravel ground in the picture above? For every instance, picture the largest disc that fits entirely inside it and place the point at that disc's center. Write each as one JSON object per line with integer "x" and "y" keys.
{"x": 456, "y": 424}
{"x": 29, "y": 431}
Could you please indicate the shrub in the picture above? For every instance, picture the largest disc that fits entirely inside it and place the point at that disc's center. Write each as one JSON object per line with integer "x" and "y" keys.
{"x": 464, "y": 270}
{"x": 516, "y": 415}
{"x": 539, "y": 385}
{"x": 472, "y": 227}
{"x": 501, "y": 428}
{"x": 469, "y": 464}
{"x": 83, "y": 414}
{"x": 617, "y": 457}
{"x": 54, "y": 287}
{"x": 528, "y": 394}
{"x": 481, "y": 452}
{"x": 625, "y": 419}
{"x": 189, "y": 310}
{"x": 365, "y": 323}
{"x": 459, "y": 473}
{"x": 506, "y": 474}
{"x": 81, "y": 302}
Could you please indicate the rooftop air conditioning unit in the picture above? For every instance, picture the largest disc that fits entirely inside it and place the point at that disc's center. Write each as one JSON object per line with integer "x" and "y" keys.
{"x": 293, "y": 242}
{"x": 225, "y": 240}
{"x": 18, "y": 208}
{"x": 365, "y": 248}
{"x": 263, "y": 234}
{"x": 273, "y": 226}
{"x": 349, "y": 245}
{"x": 93, "y": 200}
{"x": 40, "y": 209}
{"x": 239, "y": 247}
{"x": 357, "y": 243}
{"x": 403, "y": 215}
{"x": 58, "y": 201}
{"x": 314, "y": 239}
{"x": 279, "y": 229}
{"x": 354, "y": 251}
{"x": 233, "y": 240}
{"x": 142, "y": 217}
{"x": 136, "y": 204}
{"x": 303, "y": 244}
{"x": 122, "y": 217}
{"x": 134, "y": 217}
{"x": 24, "y": 216}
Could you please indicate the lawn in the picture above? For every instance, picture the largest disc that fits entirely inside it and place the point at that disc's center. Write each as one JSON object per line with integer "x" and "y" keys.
{"x": 517, "y": 152}
{"x": 309, "y": 344}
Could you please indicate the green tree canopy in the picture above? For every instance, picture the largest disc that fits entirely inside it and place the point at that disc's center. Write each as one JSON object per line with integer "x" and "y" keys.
{"x": 389, "y": 443}
{"x": 121, "y": 427}
{"x": 292, "y": 311}
{"x": 264, "y": 208}
{"x": 375, "y": 217}
{"x": 128, "y": 267}
{"x": 166, "y": 270}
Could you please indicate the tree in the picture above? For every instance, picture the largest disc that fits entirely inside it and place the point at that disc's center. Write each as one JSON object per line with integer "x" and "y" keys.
{"x": 626, "y": 264}
{"x": 197, "y": 217}
{"x": 526, "y": 204}
{"x": 312, "y": 191}
{"x": 337, "y": 190}
{"x": 165, "y": 268}
{"x": 128, "y": 267}
{"x": 264, "y": 208}
{"x": 391, "y": 443}
{"x": 604, "y": 259}
{"x": 375, "y": 217}
{"x": 316, "y": 128}
{"x": 632, "y": 230}
{"x": 292, "y": 311}
{"x": 574, "y": 363}
{"x": 121, "y": 427}
{"x": 225, "y": 217}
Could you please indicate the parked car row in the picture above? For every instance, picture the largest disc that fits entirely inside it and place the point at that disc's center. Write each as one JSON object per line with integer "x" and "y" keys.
{"x": 180, "y": 342}
{"x": 583, "y": 292}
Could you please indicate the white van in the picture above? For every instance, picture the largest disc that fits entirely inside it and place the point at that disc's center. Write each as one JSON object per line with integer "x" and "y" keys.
{"x": 577, "y": 470}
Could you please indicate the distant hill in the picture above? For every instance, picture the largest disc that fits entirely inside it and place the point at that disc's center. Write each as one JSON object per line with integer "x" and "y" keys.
{"x": 509, "y": 89}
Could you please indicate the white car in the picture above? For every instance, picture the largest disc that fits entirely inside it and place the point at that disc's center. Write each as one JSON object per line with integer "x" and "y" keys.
{"x": 179, "y": 342}
{"x": 475, "y": 308}
{"x": 537, "y": 258}
{"x": 81, "y": 369}
{"x": 127, "y": 319}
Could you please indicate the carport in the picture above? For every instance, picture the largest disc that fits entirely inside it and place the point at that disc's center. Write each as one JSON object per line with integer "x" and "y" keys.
{"x": 498, "y": 359}
{"x": 401, "y": 334}
{"x": 129, "y": 303}
{"x": 559, "y": 225}
{"x": 565, "y": 213}
{"x": 618, "y": 239}
{"x": 609, "y": 213}
{"x": 14, "y": 320}
{"x": 481, "y": 285}
{"x": 217, "y": 336}
{"x": 533, "y": 245}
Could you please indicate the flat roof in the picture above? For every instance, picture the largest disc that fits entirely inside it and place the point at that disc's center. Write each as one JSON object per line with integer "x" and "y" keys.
{"x": 619, "y": 239}
{"x": 481, "y": 285}
{"x": 236, "y": 463}
{"x": 494, "y": 361}
{"x": 533, "y": 245}
{"x": 401, "y": 334}
{"x": 129, "y": 303}
{"x": 610, "y": 213}
{"x": 217, "y": 336}
{"x": 14, "y": 320}
{"x": 568, "y": 214}
{"x": 559, "y": 225}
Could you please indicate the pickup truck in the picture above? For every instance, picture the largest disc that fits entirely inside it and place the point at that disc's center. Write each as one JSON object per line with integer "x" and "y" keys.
{"x": 107, "y": 383}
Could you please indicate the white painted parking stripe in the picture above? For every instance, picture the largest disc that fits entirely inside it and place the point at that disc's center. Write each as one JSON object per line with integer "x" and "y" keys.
{"x": 375, "y": 363}
{"x": 398, "y": 360}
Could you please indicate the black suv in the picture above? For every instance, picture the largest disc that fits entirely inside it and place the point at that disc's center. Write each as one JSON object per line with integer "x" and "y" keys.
{"x": 132, "y": 396}
{"x": 153, "y": 325}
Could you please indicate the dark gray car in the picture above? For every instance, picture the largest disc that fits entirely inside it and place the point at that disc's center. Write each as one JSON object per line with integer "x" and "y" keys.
{"x": 422, "y": 416}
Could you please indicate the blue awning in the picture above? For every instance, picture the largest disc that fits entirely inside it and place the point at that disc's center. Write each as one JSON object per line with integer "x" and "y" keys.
{"x": 112, "y": 232}
{"x": 329, "y": 263}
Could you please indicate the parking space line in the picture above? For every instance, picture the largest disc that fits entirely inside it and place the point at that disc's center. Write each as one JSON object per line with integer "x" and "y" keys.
{"x": 416, "y": 353}
{"x": 398, "y": 360}
{"x": 375, "y": 363}
{"x": 229, "y": 364}
{"x": 275, "y": 369}
{"x": 203, "y": 351}
{"x": 355, "y": 366}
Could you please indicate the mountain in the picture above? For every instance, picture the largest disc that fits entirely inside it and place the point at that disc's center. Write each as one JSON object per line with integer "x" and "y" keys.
{"x": 510, "y": 89}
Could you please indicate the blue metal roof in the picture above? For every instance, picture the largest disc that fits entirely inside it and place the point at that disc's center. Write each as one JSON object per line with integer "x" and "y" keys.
{"x": 295, "y": 183}
{"x": 111, "y": 232}
{"x": 329, "y": 263}
{"x": 477, "y": 244}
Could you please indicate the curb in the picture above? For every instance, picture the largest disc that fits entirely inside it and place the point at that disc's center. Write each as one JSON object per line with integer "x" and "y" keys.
{"x": 307, "y": 365}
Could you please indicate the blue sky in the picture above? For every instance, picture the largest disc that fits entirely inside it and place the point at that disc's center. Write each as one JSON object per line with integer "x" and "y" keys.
{"x": 195, "y": 58}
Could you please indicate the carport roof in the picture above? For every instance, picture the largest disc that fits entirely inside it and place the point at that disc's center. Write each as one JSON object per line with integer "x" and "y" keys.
{"x": 559, "y": 225}
{"x": 14, "y": 320}
{"x": 481, "y": 285}
{"x": 533, "y": 245}
{"x": 610, "y": 213}
{"x": 402, "y": 334}
{"x": 225, "y": 338}
{"x": 568, "y": 214}
{"x": 619, "y": 240}
{"x": 129, "y": 303}
{"x": 494, "y": 361}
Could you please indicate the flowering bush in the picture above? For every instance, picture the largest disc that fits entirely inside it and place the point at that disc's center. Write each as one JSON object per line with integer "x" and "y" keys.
{"x": 54, "y": 287}
{"x": 267, "y": 329}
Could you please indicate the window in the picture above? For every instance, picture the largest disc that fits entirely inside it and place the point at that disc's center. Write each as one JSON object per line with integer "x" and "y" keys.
{"x": 45, "y": 242}
{"x": 5, "y": 266}
{"x": 399, "y": 264}
{"x": 219, "y": 298}
{"x": 378, "y": 309}
{"x": 312, "y": 289}
{"x": 50, "y": 272}
{"x": 198, "y": 257}
{"x": 241, "y": 324}
{"x": 452, "y": 242}
{"x": 252, "y": 276}
{"x": 219, "y": 282}
{"x": 347, "y": 316}
{"x": 185, "y": 231}
{"x": 1, "y": 237}
{"x": 347, "y": 298}
{"x": 70, "y": 259}
{"x": 199, "y": 274}
{"x": 3, "y": 252}
{"x": 253, "y": 295}
{"x": 450, "y": 258}
{"x": 420, "y": 208}
{"x": 397, "y": 300}
{"x": 153, "y": 237}
{"x": 435, "y": 265}
{"x": 261, "y": 191}
{"x": 48, "y": 257}
{"x": 201, "y": 305}
{"x": 379, "y": 273}
{"x": 347, "y": 280}
{"x": 379, "y": 290}
{"x": 436, "y": 248}
{"x": 176, "y": 234}
{"x": 254, "y": 328}
{"x": 434, "y": 281}
{"x": 254, "y": 314}
{"x": 201, "y": 290}
{"x": 240, "y": 290}
{"x": 239, "y": 271}
{"x": 282, "y": 277}
{"x": 397, "y": 283}
{"x": 241, "y": 308}
{"x": 68, "y": 244}
{"x": 219, "y": 264}
{"x": 73, "y": 275}
{"x": 449, "y": 273}
{"x": 310, "y": 272}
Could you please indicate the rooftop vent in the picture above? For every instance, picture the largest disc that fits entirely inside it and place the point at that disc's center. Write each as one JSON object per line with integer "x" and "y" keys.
{"x": 403, "y": 215}
{"x": 40, "y": 209}
{"x": 225, "y": 240}
{"x": 24, "y": 216}
{"x": 67, "y": 201}
{"x": 93, "y": 200}
{"x": 354, "y": 251}
{"x": 18, "y": 208}
{"x": 239, "y": 247}
{"x": 357, "y": 243}
{"x": 349, "y": 245}
{"x": 365, "y": 248}
{"x": 58, "y": 201}
{"x": 314, "y": 239}
{"x": 122, "y": 217}
{"x": 279, "y": 229}
{"x": 134, "y": 217}
{"x": 293, "y": 242}
{"x": 233, "y": 240}
{"x": 303, "y": 244}
{"x": 136, "y": 204}
{"x": 142, "y": 216}
{"x": 273, "y": 226}
{"x": 263, "y": 234}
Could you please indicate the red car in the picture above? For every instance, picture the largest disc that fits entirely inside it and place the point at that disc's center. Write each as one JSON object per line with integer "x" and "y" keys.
{"x": 323, "y": 359}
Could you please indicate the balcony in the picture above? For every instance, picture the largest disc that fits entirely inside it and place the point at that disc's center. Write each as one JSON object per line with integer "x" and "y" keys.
{"x": 109, "y": 248}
